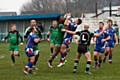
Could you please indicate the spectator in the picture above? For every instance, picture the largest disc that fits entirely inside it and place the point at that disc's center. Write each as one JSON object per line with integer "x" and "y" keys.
{"x": 41, "y": 27}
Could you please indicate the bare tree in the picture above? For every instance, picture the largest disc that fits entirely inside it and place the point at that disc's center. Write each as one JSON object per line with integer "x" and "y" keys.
{"x": 63, "y": 6}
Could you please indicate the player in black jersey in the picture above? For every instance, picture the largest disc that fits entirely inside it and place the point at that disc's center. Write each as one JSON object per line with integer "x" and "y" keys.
{"x": 83, "y": 47}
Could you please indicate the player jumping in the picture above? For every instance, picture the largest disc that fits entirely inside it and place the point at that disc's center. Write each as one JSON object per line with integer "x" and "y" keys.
{"x": 68, "y": 38}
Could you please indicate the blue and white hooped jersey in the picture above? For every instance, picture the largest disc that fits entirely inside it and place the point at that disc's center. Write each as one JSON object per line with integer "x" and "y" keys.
{"x": 30, "y": 42}
{"x": 111, "y": 32}
{"x": 99, "y": 39}
{"x": 72, "y": 27}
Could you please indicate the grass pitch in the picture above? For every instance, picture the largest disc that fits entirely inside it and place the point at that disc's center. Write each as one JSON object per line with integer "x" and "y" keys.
{"x": 8, "y": 72}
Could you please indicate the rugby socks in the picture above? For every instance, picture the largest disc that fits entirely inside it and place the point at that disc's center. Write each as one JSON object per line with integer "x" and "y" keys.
{"x": 95, "y": 59}
{"x": 106, "y": 53}
{"x": 100, "y": 61}
{"x": 110, "y": 56}
{"x": 13, "y": 58}
{"x": 62, "y": 57}
{"x": 36, "y": 59}
{"x": 28, "y": 65}
{"x": 88, "y": 65}
{"x": 75, "y": 64}
{"x": 51, "y": 49}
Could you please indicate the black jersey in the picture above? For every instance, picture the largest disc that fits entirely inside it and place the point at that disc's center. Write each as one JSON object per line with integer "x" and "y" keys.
{"x": 85, "y": 37}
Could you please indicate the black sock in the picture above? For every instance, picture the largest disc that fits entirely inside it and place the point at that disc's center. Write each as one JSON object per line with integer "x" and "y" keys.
{"x": 36, "y": 59}
{"x": 13, "y": 58}
{"x": 76, "y": 64}
{"x": 51, "y": 49}
{"x": 50, "y": 61}
{"x": 106, "y": 54}
{"x": 88, "y": 65}
{"x": 95, "y": 59}
{"x": 100, "y": 61}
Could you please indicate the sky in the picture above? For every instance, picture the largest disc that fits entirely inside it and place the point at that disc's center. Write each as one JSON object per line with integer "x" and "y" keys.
{"x": 12, "y": 5}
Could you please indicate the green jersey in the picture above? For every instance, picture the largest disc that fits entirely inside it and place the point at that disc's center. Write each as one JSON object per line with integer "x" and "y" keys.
{"x": 60, "y": 34}
{"x": 116, "y": 29}
{"x": 53, "y": 32}
{"x": 14, "y": 37}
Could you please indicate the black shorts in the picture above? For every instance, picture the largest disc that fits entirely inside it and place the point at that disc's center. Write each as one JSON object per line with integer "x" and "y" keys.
{"x": 82, "y": 48}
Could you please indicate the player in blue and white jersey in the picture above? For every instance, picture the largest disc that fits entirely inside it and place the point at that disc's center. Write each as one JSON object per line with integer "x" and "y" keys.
{"x": 110, "y": 43}
{"x": 100, "y": 45}
{"x": 32, "y": 38}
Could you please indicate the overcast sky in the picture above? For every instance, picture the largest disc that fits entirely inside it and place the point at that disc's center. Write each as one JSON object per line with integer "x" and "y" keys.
{"x": 12, "y": 5}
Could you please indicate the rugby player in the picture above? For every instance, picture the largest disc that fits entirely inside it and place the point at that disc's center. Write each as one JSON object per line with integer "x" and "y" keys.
{"x": 36, "y": 47}
{"x": 100, "y": 45}
{"x": 32, "y": 38}
{"x": 51, "y": 35}
{"x": 13, "y": 36}
{"x": 110, "y": 43}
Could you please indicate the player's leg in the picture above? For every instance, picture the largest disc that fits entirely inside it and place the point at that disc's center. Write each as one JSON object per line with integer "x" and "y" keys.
{"x": 62, "y": 51}
{"x": 16, "y": 53}
{"x": 51, "y": 46}
{"x": 28, "y": 68}
{"x": 78, "y": 55}
{"x": 110, "y": 55}
{"x": 36, "y": 53}
{"x": 12, "y": 54}
{"x": 88, "y": 58}
{"x": 95, "y": 53}
{"x": 100, "y": 59}
{"x": 57, "y": 50}
{"x": 107, "y": 49}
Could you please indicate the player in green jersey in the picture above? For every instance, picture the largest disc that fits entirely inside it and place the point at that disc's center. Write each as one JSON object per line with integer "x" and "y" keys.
{"x": 13, "y": 36}
{"x": 115, "y": 25}
{"x": 51, "y": 35}
{"x": 38, "y": 34}
{"x": 58, "y": 39}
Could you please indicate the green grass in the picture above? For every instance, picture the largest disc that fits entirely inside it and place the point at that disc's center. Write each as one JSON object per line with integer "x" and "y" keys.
{"x": 7, "y": 72}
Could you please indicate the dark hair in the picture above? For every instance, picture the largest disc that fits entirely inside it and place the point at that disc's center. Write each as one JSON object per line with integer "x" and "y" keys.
{"x": 31, "y": 29}
{"x": 79, "y": 21}
{"x": 58, "y": 18}
{"x": 110, "y": 21}
{"x": 101, "y": 23}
